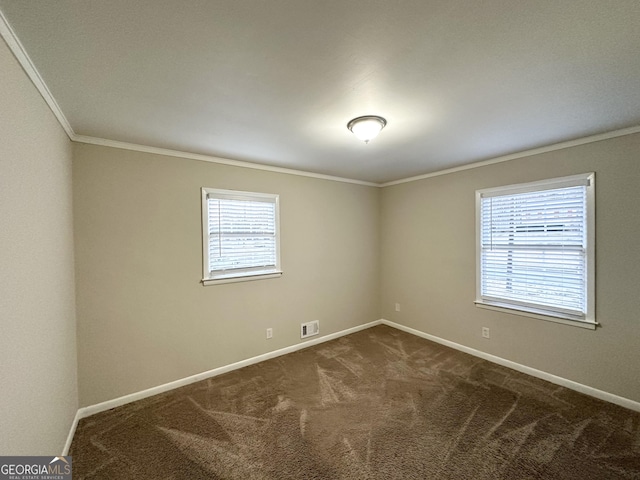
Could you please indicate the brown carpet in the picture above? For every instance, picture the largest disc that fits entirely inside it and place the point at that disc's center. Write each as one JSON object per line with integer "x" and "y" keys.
{"x": 378, "y": 404}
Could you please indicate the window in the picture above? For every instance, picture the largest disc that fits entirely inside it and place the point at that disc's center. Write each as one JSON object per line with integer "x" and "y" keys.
{"x": 535, "y": 249}
{"x": 240, "y": 236}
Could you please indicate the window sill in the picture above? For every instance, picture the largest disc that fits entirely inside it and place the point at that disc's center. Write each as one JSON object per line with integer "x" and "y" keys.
{"x": 233, "y": 278}
{"x": 524, "y": 313}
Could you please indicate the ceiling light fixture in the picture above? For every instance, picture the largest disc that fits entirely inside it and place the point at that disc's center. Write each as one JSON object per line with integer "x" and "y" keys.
{"x": 367, "y": 128}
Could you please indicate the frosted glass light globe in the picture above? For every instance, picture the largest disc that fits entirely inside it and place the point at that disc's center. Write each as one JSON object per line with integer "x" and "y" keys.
{"x": 366, "y": 128}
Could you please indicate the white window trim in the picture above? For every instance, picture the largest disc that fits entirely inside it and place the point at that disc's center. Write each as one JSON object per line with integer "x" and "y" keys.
{"x": 589, "y": 320}
{"x": 242, "y": 276}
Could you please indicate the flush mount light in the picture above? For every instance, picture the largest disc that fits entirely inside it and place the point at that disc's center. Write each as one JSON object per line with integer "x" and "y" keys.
{"x": 366, "y": 128}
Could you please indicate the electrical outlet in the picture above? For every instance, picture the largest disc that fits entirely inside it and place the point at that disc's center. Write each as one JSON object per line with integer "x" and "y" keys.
{"x": 269, "y": 332}
{"x": 397, "y": 307}
{"x": 485, "y": 332}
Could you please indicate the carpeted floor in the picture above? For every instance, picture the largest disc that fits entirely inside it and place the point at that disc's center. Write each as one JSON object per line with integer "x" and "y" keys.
{"x": 378, "y": 404}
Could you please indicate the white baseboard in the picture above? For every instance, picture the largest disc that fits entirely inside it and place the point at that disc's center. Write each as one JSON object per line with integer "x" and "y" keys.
{"x": 116, "y": 402}
{"x": 72, "y": 432}
{"x": 578, "y": 387}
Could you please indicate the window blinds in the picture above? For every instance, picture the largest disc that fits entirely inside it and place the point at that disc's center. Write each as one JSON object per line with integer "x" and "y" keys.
{"x": 242, "y": 235}
{"x": 533, "y": 249}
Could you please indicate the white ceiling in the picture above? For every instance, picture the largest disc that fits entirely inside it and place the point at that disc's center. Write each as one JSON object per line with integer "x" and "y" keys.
{"x": 275, "y": 82}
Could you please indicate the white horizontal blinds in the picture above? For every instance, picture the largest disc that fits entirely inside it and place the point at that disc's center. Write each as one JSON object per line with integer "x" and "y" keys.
{"x": 533, "y": 249}
{"x": 242, "y": 234}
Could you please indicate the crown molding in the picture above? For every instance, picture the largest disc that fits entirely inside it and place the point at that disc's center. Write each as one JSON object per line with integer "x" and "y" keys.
{"x": 256, "y": 166}
{"x": 19, "y": 52}
{"x": 207, "y": 158}
{"x": 29, "y": 68}
{"x": 525, "y": 153}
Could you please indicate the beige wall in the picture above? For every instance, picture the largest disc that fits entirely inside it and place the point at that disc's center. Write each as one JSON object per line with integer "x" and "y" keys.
{"x": 144, "y": 319}
{"x": 348, "y": 252}
{"x": 38, "y": 396}
{"x": 428, "y": 265}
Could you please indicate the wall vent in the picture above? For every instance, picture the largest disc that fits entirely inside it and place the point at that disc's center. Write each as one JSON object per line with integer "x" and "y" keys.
{"x": 309, "y": 329}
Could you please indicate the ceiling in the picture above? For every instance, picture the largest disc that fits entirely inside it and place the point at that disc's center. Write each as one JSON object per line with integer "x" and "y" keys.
{"x": 275, "y": 82}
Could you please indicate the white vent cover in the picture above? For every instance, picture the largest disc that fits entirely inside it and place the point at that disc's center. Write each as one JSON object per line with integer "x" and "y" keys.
{"x": 309, "y": 329}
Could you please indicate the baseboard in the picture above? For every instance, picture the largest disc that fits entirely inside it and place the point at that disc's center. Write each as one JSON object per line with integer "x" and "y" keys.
{"x": 72, "y": 432}
{"x": 578, "y": 387}
{"x": 116, "y": 402}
